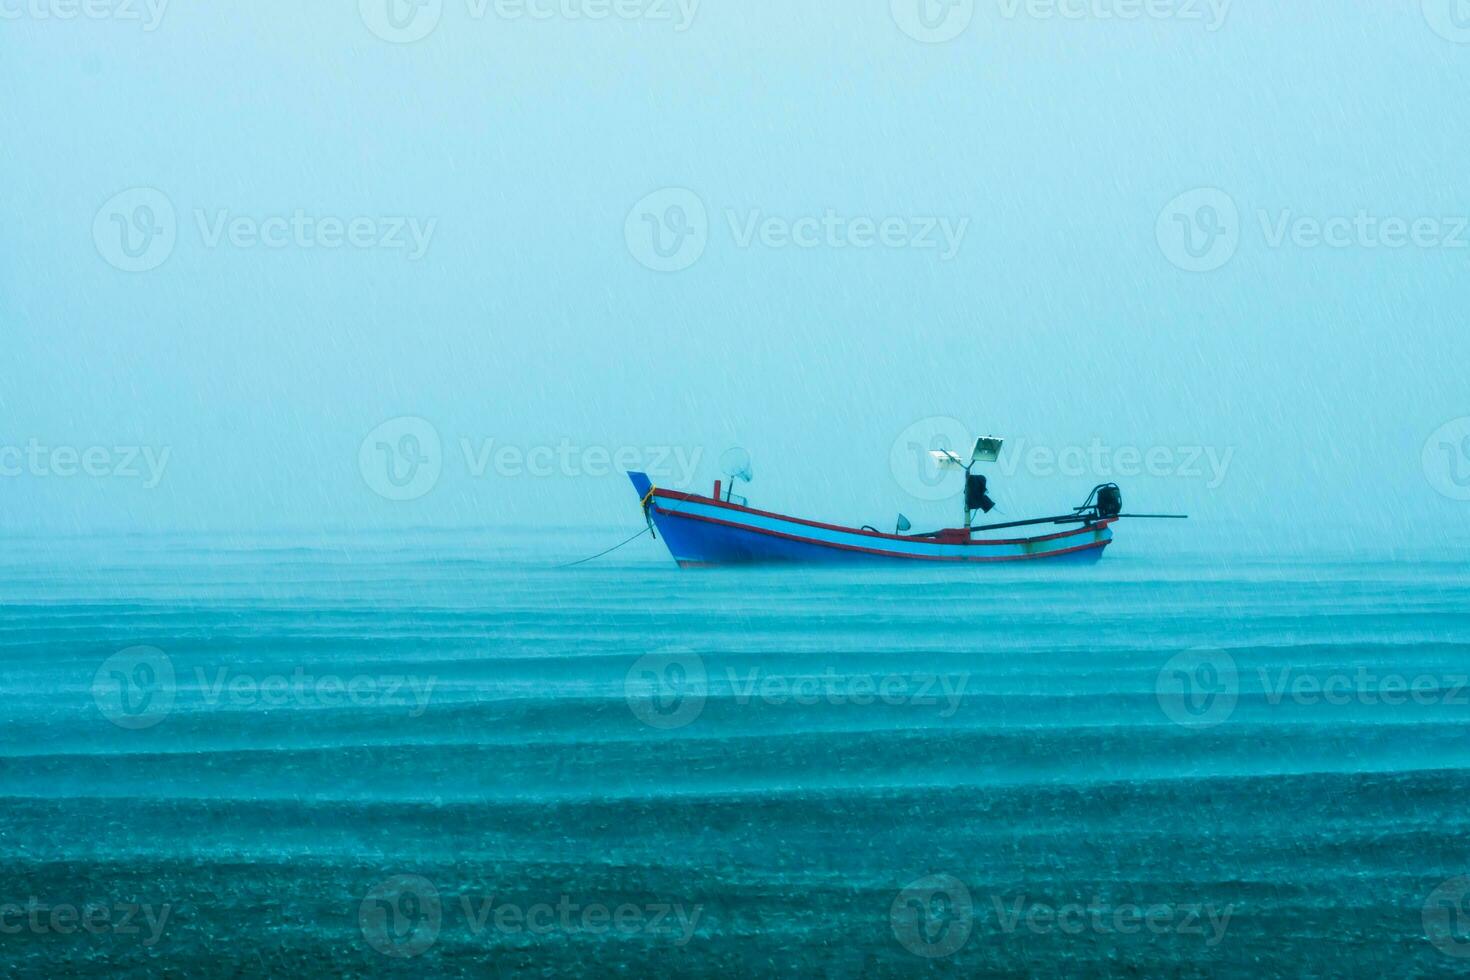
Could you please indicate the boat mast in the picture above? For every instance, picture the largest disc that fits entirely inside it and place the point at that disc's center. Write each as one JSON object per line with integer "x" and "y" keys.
{"x": 987, "y": 450}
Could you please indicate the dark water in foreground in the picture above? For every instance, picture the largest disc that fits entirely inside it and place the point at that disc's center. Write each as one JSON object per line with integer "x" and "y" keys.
{"x": 441, "y": 756}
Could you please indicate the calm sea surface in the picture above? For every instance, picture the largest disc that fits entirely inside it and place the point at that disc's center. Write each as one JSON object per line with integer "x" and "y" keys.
{"x": 436, "y": 753}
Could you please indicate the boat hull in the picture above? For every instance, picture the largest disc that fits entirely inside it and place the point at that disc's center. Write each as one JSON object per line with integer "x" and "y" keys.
{"x": 701, "y": 530}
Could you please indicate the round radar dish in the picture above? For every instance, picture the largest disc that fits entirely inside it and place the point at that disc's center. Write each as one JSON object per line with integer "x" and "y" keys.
{"x": 735, "y": 462}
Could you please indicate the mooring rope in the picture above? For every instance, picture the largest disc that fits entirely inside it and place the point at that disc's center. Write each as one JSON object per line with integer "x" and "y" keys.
{"x": 609, "y": 551}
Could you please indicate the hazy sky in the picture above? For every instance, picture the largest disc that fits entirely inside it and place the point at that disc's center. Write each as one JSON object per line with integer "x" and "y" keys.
{"x": 238, "y": 239}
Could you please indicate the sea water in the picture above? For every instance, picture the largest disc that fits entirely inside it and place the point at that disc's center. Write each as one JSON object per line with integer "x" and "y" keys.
{"x": 350, "y": 754}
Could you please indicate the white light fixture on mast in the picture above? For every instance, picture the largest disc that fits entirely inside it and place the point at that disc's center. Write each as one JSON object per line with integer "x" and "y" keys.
{"x": 987, "y": 450}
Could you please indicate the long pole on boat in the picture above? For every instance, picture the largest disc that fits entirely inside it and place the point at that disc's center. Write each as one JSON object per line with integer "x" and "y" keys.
{"x": 1075, "y": 519}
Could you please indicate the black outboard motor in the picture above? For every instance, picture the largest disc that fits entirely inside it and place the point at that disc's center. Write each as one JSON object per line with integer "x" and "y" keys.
{"x": 975, "y": 496}
{"x": 1103, "y": 504}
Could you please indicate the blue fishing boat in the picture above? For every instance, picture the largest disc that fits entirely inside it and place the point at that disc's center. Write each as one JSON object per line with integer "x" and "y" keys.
{"x": 714, "y": 530}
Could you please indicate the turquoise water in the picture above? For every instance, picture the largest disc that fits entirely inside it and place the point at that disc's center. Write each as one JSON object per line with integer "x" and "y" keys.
{"x": 435, "y": 752}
